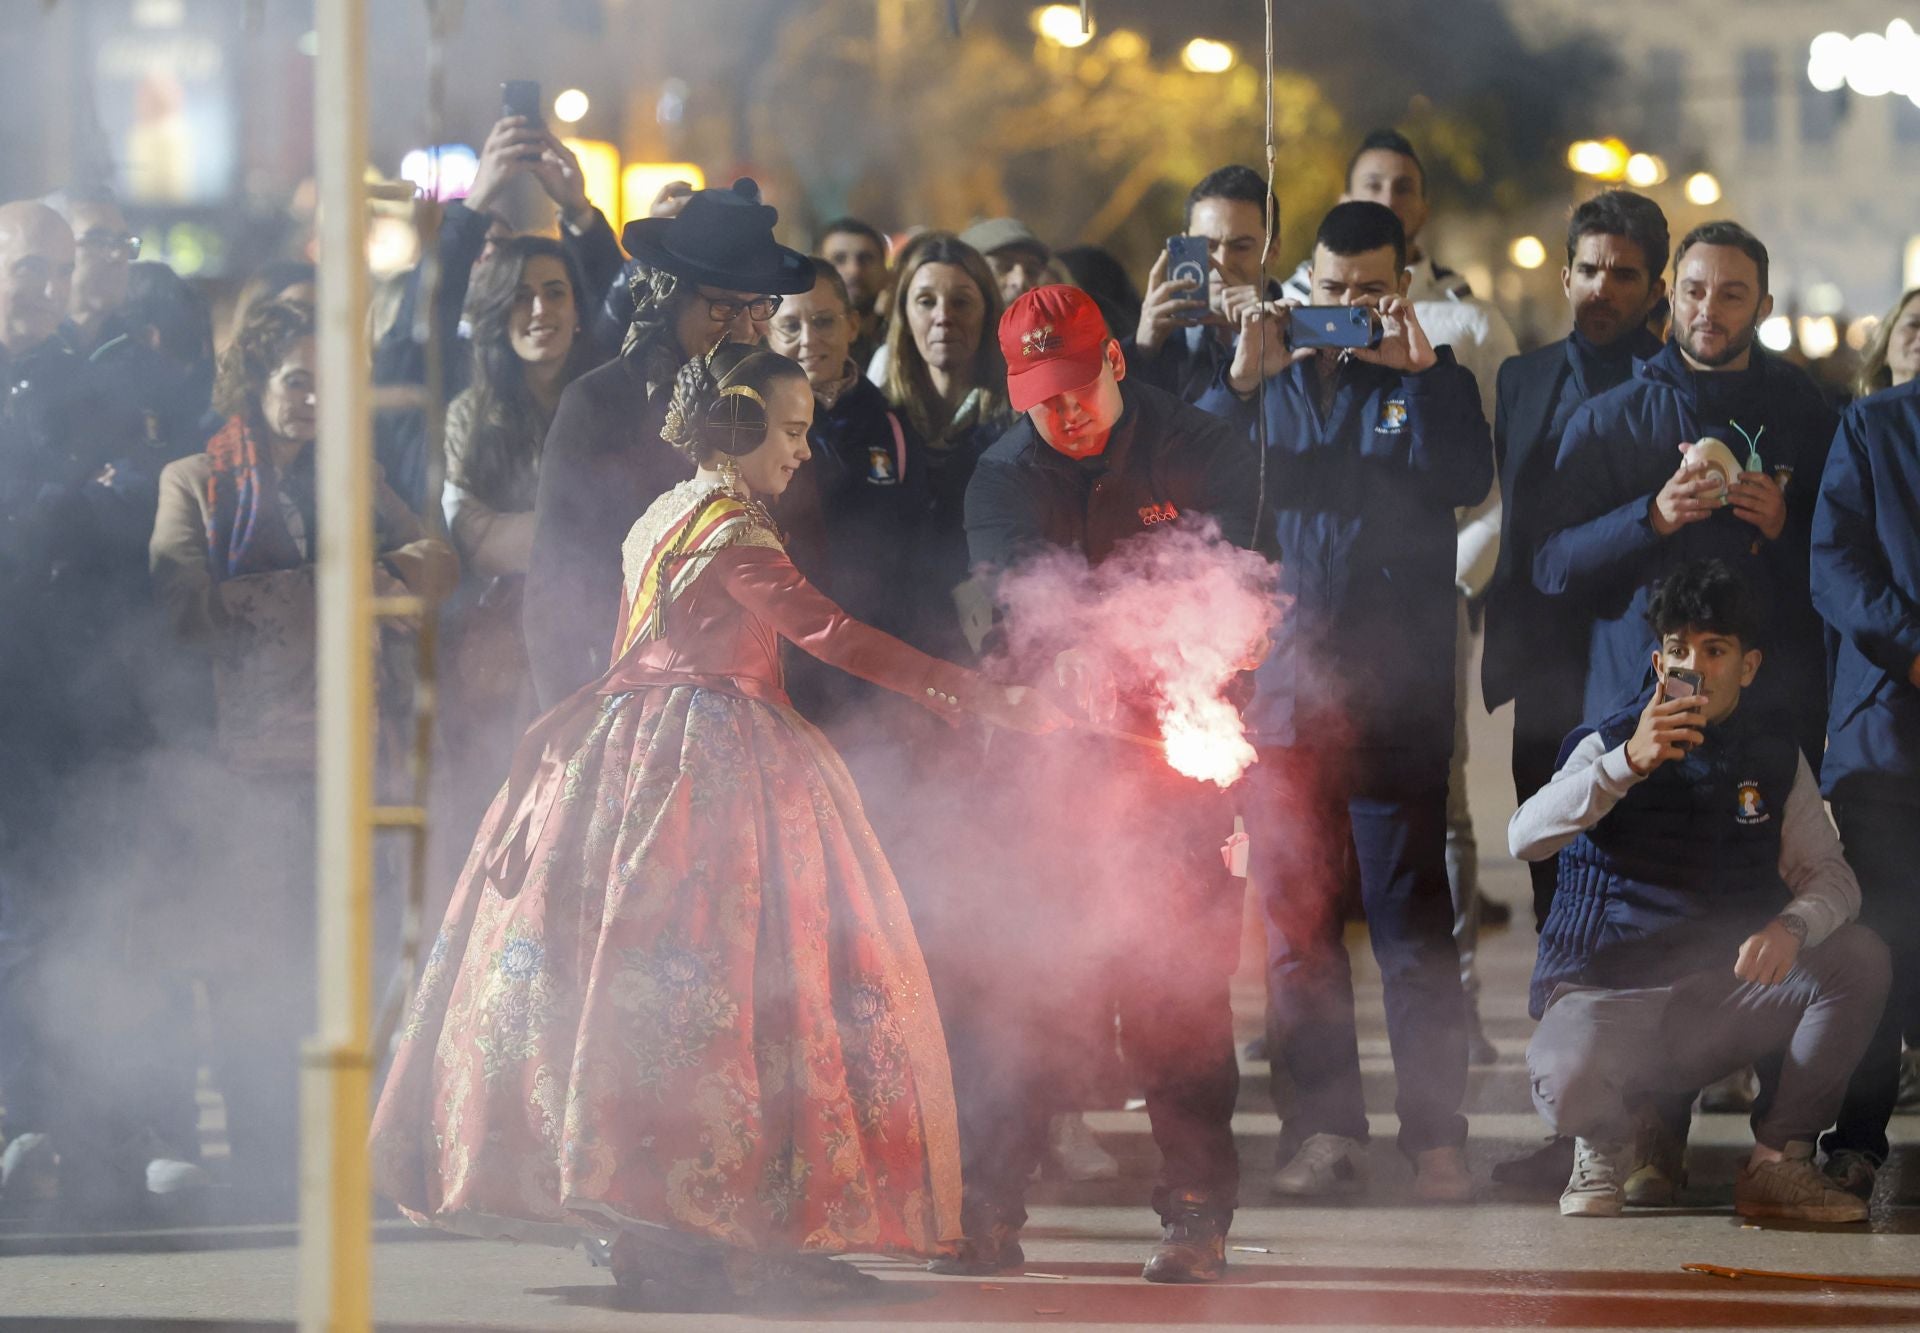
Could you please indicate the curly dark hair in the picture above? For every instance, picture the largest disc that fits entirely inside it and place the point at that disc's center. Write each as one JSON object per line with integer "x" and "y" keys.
{"x": 1706, "y": 595}
{"x": 506, "y": 434}
{"x": 257, "y": 350}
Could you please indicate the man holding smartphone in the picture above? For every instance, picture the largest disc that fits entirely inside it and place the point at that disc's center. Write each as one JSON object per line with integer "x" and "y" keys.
{"x": 1369, "y": 450}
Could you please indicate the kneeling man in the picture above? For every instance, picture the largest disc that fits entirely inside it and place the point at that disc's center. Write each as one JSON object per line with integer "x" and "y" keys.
{"x": 1702, "y": 918}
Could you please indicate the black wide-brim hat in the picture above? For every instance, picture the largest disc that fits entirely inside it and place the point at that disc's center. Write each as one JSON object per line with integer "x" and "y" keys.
{"x": 722, "y": 238}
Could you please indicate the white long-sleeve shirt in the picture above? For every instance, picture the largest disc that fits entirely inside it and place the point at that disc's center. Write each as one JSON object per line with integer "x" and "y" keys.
{"x": 1595, "y": 779}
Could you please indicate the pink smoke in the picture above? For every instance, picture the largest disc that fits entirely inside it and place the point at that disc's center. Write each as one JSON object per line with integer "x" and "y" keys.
{"x": 1158, "y": 631}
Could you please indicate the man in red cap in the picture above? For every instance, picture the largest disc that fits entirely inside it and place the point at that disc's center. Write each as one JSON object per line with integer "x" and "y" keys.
{"x": 1122, "y": 897}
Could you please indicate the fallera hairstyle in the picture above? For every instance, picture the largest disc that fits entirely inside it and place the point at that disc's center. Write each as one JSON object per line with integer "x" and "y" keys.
{"x": 698, "y": 386}
{"x": 160, "y": 300}
{"x": 507, "y": 426}
{"x": 1387, "y": 141}
{"x": 827, "y": 273}
{"x": 257, "y": 350}
{"x": 1728, "y": 233}
{"x": 1626, "y": 214}
{"x": 1360, "y": 225}
{"x": 908, "y": 385}
{"x": 855, "y": 227}
{"x": 1242, "y": 184}
{"x": 1705, "y": 595}
{"x": 1874, "y": 373}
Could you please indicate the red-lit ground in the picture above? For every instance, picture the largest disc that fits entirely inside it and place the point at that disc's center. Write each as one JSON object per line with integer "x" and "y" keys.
{"x": 1377, "y": 1263}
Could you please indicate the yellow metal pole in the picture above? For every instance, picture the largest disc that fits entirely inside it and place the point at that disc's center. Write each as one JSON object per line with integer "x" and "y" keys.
{"x": 335, "y": 1192}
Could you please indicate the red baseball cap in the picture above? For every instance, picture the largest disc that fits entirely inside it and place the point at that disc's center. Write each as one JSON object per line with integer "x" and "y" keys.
{"x": 1054, "y": 339}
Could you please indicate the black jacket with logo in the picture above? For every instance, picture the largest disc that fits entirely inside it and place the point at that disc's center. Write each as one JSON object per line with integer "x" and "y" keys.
{"x": 1164, "y": 461}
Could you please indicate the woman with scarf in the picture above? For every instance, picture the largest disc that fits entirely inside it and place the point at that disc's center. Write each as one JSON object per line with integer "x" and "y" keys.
{"x": 526, "y": 309}
{"x": 676, "y": 1001}
{"x": 232, "y": 560}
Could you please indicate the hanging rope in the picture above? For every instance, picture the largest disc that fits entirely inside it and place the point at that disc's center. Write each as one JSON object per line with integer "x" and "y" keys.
{"x": 1270, "y": 206}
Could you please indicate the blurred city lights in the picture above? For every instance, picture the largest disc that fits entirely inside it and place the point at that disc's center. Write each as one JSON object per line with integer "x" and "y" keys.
{"x": 1825, "y": 298}
{"x": 1703, "y": 189}
{"x": 441, "y": 173}
{"x": 641, "y": 181}
{"x": 1203, "y": 55}
{"x": 1776, "y": 333}
{"x": 599, "y": 172}
{"x": 1819, "y": 336}
{"x": 1910, "y": 267}
{"x": 1644, "y": 169}
{"x": 1125, "y": 45}
{"x": 1528, "y": 252}
{"x": 570, "y": 107}
{"x": 1872, "y": 64}
{"x": 1861, "y": 331}
{"x": 1060, "y": 24}
{"x": 1603, "y": 159}
{"x": 309, "y": 43}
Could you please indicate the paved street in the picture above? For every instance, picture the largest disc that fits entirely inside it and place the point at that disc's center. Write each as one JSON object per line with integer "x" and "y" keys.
{"x": 1380, "y": 1262}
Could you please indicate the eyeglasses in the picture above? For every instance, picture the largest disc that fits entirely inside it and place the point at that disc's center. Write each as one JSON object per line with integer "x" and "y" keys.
{"x": 727, "y": 310}
{"x": 109, "y": 245}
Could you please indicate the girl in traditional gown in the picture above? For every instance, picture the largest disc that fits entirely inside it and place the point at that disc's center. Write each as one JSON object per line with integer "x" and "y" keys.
{"x": 676, "y": 1001}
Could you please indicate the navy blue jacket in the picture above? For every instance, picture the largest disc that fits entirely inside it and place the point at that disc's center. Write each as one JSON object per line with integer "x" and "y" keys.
{"x": 1601, "y": 551}
{"x": 1866, "y": 583}
{"x": 1361, "y": 508}
{"x": 1680, "y": 872}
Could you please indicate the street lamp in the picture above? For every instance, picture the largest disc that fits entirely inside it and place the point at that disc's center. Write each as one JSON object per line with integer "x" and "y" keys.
{"x": 1644, "y": 170}
{"x": 1528, "y": 252}
{"x": 1872, "y": 64}
{"x": 570, "y": 107}
{"x": 1203, "y": 55}
{"x": 1603, "y": 159}
{"x": 1060, "y": 24}
{"x": 1703, "y": 189}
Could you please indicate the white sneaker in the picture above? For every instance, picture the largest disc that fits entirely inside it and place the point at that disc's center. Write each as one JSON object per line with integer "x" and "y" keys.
{"x": 1076, "y": 1152}
{"x": 172, "y": 1175}
{"x": 1597, "y": 1187}
{"x": 29, "y": 1168}
{"x": 1325, "y": 1164}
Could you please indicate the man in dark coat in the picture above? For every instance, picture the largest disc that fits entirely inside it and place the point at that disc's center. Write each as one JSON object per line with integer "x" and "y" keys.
{"x": 1098, "y": 461}
{"x": 1625, "y": 505}
{"x": 1369, "y": 452}
{"x": 1536, "y": 652}
{"x": 1866, "y": 583}
{"x": 714, "y": 272}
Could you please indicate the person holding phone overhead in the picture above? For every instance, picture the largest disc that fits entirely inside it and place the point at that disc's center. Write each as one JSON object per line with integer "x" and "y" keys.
{"x": 1190, "y": 318}
{"x": 1369, "y": 451}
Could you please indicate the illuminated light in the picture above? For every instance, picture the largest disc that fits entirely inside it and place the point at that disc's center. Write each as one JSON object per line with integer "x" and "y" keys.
{"x": 1206, "y": 740}
{"x": 393, "y": 245}
{"x": 1819, "y": 336}
{"x": 1825, "y": 298}
{"x": 1703, "y": 189}
{"x": 599, "y": 173}
{"x": 1125, "y": 46}
{"x": 1871, "y": 68}
{"x": 641, "y": 181}
{"x": 1603, "y": 159}
{"x": 159, "y": 13}
{"x": 1910, "y": 267}
{"x": 1827, "y": 60}
{"x": 190, "y": 248}
{"x": 441, "y": 173}
{"x": 309, "y": 43}
{"x": 1644, "y": 169}
{"x": 1776, "y": 333}
{"x": 1861, "y": 331}
{"x": 1203, "y": 55}
{"x": 1528, "y": 252}
{"x": 1060, "y": 24}
{"x": 570, "y": 107}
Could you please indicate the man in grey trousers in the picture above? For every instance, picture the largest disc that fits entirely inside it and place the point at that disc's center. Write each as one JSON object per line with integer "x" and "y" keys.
{"x": 1703, "y": 916}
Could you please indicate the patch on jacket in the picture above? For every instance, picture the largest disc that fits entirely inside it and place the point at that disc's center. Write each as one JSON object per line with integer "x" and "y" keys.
{"x": 1393, "y": 417}
{"x": 880, "y": 470}
{"x": 1752, "y": 810}
{"x": 1158, "y": 513}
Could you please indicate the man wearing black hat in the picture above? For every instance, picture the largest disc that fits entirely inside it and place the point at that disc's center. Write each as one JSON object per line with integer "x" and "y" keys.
{"x": 712, "y": 273}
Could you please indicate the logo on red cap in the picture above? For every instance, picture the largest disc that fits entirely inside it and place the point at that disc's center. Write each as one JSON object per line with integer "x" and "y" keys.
{"x": 1054, "y": 339}
{"x": 1040, "y": 341}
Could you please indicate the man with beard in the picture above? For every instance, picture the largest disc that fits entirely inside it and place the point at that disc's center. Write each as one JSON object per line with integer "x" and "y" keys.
{"x": 1625, "y": 504}
{"x": 1617, "y": 246}
{"x": 858, "y": 253}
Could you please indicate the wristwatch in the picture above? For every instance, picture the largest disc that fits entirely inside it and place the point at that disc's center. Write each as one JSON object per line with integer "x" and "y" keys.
{"x": 1795, "y": 926}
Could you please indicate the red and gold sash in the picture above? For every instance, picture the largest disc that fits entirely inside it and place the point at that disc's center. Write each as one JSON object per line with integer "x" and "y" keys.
{"x": 669, "y": 547}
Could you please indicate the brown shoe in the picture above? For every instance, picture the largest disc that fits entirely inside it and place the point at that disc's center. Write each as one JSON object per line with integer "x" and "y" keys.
{"x": 1793, "y": 1188}
{"x": 1193, "y": 1243}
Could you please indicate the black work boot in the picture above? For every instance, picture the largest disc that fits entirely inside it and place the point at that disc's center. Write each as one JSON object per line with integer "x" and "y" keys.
{"x": 989, "y": 1244}
{"x": 1193, "y": 1243}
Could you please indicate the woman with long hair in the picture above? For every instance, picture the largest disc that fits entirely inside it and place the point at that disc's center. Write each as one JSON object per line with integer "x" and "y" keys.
{"x": 676, "y": 1002}
{"x": 1893, "y": 356}
{"x": 526, "y": 309}
{"x": 946, "y": 377}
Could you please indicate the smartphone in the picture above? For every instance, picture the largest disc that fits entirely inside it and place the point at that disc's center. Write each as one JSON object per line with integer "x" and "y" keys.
{"x": 521, "y": 97}
{"x": 1190, "y": 257}
{"x": 1342, "y": 326}
{"x": 1683, "y": 684}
